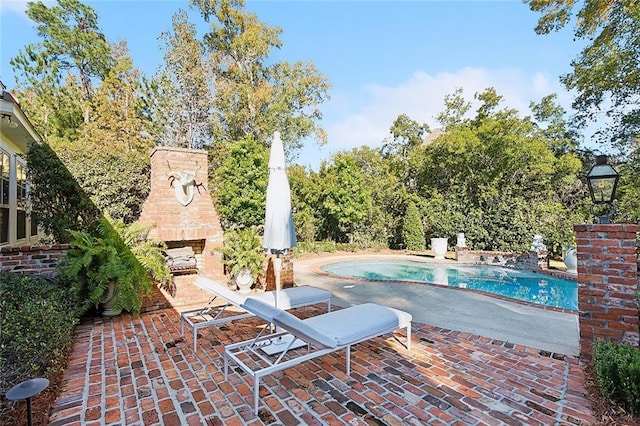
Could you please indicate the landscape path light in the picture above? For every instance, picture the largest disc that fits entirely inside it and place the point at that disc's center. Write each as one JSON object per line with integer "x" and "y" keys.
{"x": 27, "y": 390}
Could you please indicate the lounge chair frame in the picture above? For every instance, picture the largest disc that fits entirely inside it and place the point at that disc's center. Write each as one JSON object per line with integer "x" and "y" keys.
{"x": 214, "y": 315}
{"x": 249, "y": 357}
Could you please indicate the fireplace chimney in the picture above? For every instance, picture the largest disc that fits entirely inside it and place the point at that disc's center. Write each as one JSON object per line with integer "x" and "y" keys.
{"x": 180, "y": 207}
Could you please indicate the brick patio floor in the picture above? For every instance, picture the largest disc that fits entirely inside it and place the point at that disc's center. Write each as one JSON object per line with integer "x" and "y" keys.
{"x": 140, "y": 370}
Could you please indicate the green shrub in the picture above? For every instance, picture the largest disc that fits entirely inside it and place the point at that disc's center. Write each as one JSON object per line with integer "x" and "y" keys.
{"x": 618, "y": 373}
{"x": 37, "y": 317}
{"x": 413, "y": 229}
{"x": 315, "y": 247}
{"x": 351, "y": 247}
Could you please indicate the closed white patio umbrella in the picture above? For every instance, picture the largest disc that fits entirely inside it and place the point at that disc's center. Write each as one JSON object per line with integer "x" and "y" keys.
{"x": 279, "y": 232}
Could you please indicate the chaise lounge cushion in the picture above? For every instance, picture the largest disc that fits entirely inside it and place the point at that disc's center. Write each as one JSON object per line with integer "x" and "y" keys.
{"x": 356, "y": 323}
{"x": 322, "y": 334}
{"x": 221, "y": 290}
{"x": 290, "y": 298}
{"x": 289, "y": 322}
{"x": 337, "y": 328}
{"x": 293, "y": 296}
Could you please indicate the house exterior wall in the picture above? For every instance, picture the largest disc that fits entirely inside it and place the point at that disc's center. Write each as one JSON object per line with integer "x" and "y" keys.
{"x": 15, "y": 221}
{"x": 32, "y": 260}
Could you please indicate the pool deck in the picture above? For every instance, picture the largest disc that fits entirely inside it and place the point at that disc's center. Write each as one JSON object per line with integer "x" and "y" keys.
{"x": 451, "y": 308}
{"x": 140, "y": 370}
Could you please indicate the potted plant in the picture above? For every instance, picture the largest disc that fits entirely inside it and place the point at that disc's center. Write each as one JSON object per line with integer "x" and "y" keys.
{"x": 243, "y": 257}
{"x": 115, "y": 267}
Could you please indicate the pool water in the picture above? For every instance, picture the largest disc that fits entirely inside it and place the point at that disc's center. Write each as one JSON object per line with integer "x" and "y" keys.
{"x": 516, "y": 284}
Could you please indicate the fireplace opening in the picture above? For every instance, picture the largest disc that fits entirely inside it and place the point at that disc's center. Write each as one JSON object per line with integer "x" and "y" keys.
{"x": 184, "y": 257}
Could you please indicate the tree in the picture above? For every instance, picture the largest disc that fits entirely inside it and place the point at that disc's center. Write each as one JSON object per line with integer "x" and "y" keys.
{"x": 605, "y": 74}
{"x": 254, "y": 96}
{"x": 558, "y": 130}
{"x": 304, "y": 199}
{"x": 118, "y": 125}
{"x": 58, "y": 202}
{"x": 183, "y": 99}
{"x": 407, "y": 135}
{"x": 383, "y": 218}
{"x": 456, "y": 107}
{"x": 413, "y": 228}
{"x": 346, "y": 197}
{"x": 72, "y": 43}
{"x": 499, "y": 178}
{"x": 240, "y": 184}
{"x": 85, "y": 97}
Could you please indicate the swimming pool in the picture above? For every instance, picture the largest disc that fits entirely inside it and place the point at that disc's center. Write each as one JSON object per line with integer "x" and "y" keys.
{"x": 512, "y": 283}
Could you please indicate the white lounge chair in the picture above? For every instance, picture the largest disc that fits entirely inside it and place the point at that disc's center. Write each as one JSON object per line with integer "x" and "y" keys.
{"x": 322, "y": 334}
{"x": 210, "y": 315}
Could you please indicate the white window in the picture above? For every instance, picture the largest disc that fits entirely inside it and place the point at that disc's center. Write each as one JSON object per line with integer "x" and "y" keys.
{"x": 21, "y": 201}
{"x": 5, "y": 179}
{"x": 16, "y": 223}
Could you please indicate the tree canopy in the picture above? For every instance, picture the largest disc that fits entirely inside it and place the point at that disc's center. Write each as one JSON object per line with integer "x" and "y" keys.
{"x": 252, "y": 95}
{"x": 490, "y": 171}
{"x": 605, "y": 74}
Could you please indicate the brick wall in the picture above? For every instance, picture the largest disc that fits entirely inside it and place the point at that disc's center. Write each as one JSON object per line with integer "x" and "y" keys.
{"x": 32, "y": 260}
{"x": 286, "y": 274}
{"x": 197, "y": 224}
{"x": 607, "y": 284}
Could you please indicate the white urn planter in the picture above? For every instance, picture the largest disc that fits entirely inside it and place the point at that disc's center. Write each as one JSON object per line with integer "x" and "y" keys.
{"x": 571, "y": 261}
{"x": 244, "y": 280}
{"x": 439, "y": 247}
{"x": 106, "y": 301}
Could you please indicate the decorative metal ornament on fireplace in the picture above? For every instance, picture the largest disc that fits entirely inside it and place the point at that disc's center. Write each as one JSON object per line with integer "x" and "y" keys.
{"x": 185, "y": 186}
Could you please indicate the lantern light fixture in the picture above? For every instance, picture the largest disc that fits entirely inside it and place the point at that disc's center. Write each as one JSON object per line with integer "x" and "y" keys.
{"x": 603, "y": 182}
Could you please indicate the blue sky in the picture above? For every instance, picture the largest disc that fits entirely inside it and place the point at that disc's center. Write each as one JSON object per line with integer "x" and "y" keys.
{"x": 382, "y": 58}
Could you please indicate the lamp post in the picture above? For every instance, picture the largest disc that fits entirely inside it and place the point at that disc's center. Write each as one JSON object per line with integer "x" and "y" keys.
{"x": 603, "y": 181}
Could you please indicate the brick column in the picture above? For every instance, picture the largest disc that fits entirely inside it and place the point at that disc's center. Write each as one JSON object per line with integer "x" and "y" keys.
{"x": 286, "y": 274}
{"x": 607, "y": 284}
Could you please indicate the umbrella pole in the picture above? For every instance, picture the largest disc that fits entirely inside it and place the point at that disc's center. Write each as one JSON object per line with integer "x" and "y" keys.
{"x": 277, "y": 265}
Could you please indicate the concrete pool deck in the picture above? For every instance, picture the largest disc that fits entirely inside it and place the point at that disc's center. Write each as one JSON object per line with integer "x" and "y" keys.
{"x": 450, "y": 308}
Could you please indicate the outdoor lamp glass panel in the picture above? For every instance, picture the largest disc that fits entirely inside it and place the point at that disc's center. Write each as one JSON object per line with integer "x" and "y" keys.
{"x": 602, "y": 180}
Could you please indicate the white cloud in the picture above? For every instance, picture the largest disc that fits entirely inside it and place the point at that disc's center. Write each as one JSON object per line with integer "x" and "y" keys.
{"x": 13, "y": 6}
{"x": 421, "y": 97}
{"x": 19, "y": 7}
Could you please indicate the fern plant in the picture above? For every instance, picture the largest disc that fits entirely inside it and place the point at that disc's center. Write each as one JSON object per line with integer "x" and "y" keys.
{"x": 121, "y": 256}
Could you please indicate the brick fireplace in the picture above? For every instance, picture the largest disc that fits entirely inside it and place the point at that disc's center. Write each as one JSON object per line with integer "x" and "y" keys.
{"x": 180, "y": 207}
